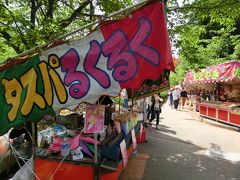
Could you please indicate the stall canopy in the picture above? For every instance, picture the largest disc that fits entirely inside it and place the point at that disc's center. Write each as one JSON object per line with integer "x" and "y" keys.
{"x": 150, "y": 87}
{"x": 225, "y": 72}
{"x": 118, "y": 54}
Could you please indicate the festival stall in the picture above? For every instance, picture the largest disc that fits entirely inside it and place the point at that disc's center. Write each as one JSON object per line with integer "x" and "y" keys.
{"x": 217, "y": 89}
{"x": 76, "y": 131}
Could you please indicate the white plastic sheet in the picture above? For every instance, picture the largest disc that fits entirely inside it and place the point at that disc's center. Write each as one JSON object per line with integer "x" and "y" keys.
{"x": 26, "y": 172}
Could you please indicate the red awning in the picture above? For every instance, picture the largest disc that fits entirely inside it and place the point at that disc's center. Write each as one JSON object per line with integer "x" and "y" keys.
{"x": 226, "y": 72}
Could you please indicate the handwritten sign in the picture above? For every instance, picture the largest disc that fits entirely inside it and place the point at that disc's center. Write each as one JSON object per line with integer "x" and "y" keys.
{"x": 134, "y": 141}
{"x": 124, "y": 153}
{"x": 94, "y": 118}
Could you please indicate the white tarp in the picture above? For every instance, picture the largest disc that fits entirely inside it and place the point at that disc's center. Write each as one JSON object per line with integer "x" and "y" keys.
{"x": 26, "y": 172}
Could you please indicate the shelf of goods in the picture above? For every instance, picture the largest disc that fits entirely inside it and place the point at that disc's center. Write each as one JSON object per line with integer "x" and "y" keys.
{"x": 227, "y": 112}
{"x": 109, "y": 154}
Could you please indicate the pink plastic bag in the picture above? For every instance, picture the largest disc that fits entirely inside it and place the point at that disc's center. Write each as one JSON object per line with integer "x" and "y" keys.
{"x": 56, "y": 144}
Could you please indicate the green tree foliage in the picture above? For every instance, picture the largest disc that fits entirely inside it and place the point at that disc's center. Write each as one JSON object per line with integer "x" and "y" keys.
{"x": 181, "y": 69}
{"x": 208, "y": 33}
{"x": 25, "y": 24}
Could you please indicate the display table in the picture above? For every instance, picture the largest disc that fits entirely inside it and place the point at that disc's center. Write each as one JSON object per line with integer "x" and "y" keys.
{"x": 222, "y": 112}
{"x": 84, "y": 169}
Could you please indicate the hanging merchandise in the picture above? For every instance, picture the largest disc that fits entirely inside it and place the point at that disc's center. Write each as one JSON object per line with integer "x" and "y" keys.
{"x": 94, "y": 118}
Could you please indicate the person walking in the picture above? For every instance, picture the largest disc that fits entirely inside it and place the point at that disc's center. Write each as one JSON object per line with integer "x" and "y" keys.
{"x": 157, "y": 108}
{"x": 170, "y": 97}
{"x": 152, "y": 109}
{"x": 148, "y": 107}
{"x": 176, "y": 96}
{"x": 192, "y": 97}
{"x": 183, "y": 96}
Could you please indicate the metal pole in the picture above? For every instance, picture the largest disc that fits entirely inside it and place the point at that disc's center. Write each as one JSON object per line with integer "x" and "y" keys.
{"x": 75, "y": 31}
{"x": 96, "y": 168}
{"x": 132, "y": 101}
{"x": 34, "y": 141}
{"x": 144, "y": 109}
{"x": 33, "y": 125}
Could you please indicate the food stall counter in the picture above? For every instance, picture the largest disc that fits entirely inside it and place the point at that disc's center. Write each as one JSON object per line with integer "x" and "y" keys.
{"x": 227, "y": 112}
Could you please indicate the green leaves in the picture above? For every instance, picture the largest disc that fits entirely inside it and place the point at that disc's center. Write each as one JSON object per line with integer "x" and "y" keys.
{"x": 208, "y": 33}
{"x": 25, "y": 24}
{"x": 109, "y": 6}
{"x": 6, "y": 51}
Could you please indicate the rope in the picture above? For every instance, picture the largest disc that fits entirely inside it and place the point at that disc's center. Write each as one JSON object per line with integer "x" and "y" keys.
{"x": 13, "y": 151}
{"x": 30, "y": 135}
{"x": 64, "y": 158}
{"x": 25, "y": 163}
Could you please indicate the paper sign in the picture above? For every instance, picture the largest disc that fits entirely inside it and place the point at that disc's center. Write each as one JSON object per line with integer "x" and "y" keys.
{"x": 140, "y": 116}
{"x": 77, "y": 154}
{"x": 124, "y": 153}
{"x": 141, "y": 130}
{"x": 94, "y": 120}
{"x": 134, "y": 141}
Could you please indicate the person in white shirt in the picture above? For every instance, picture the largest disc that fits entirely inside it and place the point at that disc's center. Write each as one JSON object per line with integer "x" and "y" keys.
{"x": 124, "y": 95}
{"x": 148, "y": 107}
{"x": 176, "y": 96}
{"x": 170, "y": 97}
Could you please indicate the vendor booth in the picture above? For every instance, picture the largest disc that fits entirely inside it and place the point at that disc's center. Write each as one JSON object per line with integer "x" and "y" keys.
{"x": 69, "y": 93}
{"x": 217, "y": 90}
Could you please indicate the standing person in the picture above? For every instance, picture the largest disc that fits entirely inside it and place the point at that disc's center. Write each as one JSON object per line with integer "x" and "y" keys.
{"x": 208, "y": 96}
{"x": 152, "y": 109}
{"x": 124, "y": 95}
{"x": 148, "y": 105}
{"x": 171, "y": 98}
{"x": 192, "y": 96}
{"x": 203, "y": 95}
{"x": 146, "y": 111}
{"x": 212, "y": 97}
{"x": 156, "y": 108}
{"x": 176, "y": 96}
{"x": 183, "y": 96}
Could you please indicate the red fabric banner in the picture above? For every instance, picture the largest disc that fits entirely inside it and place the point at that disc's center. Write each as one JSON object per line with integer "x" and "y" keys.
{"x": 144, "y": 35}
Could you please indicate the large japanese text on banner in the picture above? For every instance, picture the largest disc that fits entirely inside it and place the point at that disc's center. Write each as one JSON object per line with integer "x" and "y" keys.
{"x": 119, "y": 54}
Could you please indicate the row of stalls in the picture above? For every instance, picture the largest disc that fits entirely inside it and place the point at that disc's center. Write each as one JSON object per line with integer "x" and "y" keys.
{"x": 216, "y": 90}
{"x": 67, "y": 98}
